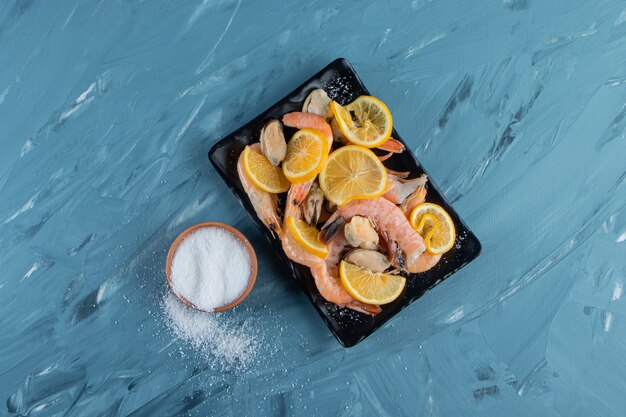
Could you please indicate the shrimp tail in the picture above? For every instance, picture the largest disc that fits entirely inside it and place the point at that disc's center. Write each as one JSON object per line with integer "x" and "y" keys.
{"x": 272, "y": 220}
{"x": 399, "y": 174}
{"x": 332, "y": 227}
{"x": 392, "y": 145}
{"x": 383, "y": 158}
{"x": 370, "y": 309}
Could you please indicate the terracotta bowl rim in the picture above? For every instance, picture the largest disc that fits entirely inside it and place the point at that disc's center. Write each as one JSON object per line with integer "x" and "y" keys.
{"x": 244, "y": 241}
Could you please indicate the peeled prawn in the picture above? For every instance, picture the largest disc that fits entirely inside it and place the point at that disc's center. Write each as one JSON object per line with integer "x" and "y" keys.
{"x": 265, "y": 204}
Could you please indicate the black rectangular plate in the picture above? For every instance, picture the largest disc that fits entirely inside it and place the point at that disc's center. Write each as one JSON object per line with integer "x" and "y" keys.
{"x": 349, "y": 327}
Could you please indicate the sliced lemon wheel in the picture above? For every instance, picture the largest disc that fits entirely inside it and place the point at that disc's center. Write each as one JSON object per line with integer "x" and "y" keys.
{"x": 366, "y": 121}
{"x": 370, "y": 287}
{"x": 441, "y": 239}
{"x": 263, "y": 174}
{"x": 307, "y": 152}
{"x": 352, "y": 172}
{"x": 427, "y": 226}
{"x": 307, "y": 236}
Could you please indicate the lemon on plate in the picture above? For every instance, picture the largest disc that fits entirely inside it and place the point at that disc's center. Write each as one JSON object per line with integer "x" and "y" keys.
{"x": 366, "y": 121}
{"x": 370, "y": 287}
{"x": 427, "y": 226}
{"x": 442, "y": 238}
{"x": 307, "y": 152}
{"x": 307, "y": 236}
{"x": 263, "y": 174}
{"x": 352, "y": 172}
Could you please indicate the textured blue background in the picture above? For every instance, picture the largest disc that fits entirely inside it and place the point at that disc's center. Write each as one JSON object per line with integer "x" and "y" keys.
{"x": 107, "y": 110}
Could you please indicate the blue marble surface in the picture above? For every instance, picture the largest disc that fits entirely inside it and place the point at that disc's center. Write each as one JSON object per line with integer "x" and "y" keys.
{"x": 517, "y": 108}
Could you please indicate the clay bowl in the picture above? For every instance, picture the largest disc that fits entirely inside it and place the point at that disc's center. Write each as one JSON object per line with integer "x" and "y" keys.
{"x": 244, "y": 241}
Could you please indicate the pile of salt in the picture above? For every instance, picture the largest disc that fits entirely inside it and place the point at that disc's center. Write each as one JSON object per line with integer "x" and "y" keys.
{"x": 211, "y": 268}
{"x": 223, "y": 342}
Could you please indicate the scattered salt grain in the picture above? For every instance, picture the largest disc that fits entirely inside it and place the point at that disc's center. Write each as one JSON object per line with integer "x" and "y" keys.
{"x": 223, "y": 342}
{"x": 211, "y": 268}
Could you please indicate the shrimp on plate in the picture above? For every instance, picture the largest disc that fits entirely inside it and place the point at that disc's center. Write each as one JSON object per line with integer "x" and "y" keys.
{"x": 388, "y": 218}
{"x": 265, "y": 204}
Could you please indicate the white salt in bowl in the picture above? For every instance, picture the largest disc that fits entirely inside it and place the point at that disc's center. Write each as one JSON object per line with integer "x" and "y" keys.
{"x": 244, "y": 242}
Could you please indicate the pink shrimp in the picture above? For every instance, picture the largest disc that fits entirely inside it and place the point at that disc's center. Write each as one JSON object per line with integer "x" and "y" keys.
{"x": 298, "y": 254}
{"x": 399, "y": 174}
{"x": 426, "y": 261}
{"x": 301, "y": 120}
{"x": 392, "y": 145}
{"x": 415, "y": 199}
{"x": 399, "y": 190}
{"x": 324, "y": 271}
{"x": 265, "y": 204}
{"x": 294, "y": 251}
{"x": 407, "y": 193}
{"x": 329, "y": 285}
{"x": 383, "y": 158}
{"x": 295, "y": 197}
{"x": 391, "y": 192}
{"x": 389, "y": 220}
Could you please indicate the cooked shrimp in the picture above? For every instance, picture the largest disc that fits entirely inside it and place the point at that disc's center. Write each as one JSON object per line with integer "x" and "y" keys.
{"x": 332, "y": 290}
{"x": 399, "y": 190}
{"x": 391, "y": 192}
{"x": 392, "y": 145}
{"x": 301, "y": 120}
{"x": 426, "y": 261}
{"x": 399, "y": 174}
{"x": 388, "y": 218}
{"x": 383, "y": 158}
{"x": 296, "y": 196}
{"x": 265, "y": 204}
{"x": 329, "y": 285}
{"x": 298, "y": 254}
{"x": 326, "y": 273}
{"x": 415, "y": 199}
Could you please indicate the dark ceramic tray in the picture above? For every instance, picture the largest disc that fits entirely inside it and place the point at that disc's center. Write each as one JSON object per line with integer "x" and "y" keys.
{"x": 349, "y": 327}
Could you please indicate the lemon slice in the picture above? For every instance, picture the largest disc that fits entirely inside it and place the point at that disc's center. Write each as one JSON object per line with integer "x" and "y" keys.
{"x": 366, "y": 121}
{"x": 442, "y": 238}
{"x": 307, "y": 152}
{"x": 306, "y": 236}
{"x": 370, "y": 287}
{"x": 427, "y": 226}
{"x": 352, "y": 172}
{"x": 263, "y": 174}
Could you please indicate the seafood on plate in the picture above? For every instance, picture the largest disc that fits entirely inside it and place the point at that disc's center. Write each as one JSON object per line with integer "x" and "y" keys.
{"x": 362, "y": 228}
{"x": 273, "y": 144}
